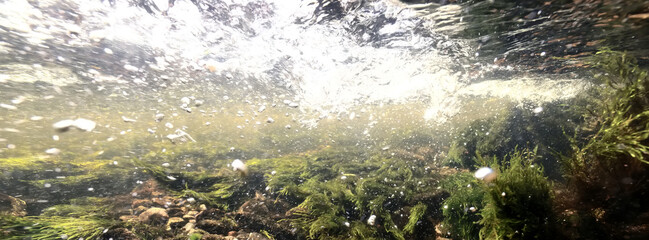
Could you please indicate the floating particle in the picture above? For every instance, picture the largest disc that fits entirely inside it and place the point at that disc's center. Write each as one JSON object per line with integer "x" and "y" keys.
{"x": 542, "y": 54}
{"x": 346, "y": 224}
{"x": 503, "y": 194}
{"x": 166, "y": 165}
{"x": 343, "y": 177}
{"x": 473, "y": 209}
{"x": 273, "y": 172}
{"x": 171, "y": 178}
{"x": 538, "y": 110}
{"x": 47, "y": 185}
{"x": 53, "y": 151}
{"x": 91, "y": 189}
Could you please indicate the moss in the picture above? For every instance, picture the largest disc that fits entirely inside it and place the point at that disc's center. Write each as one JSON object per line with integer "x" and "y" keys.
{"x": 519, "y": 203}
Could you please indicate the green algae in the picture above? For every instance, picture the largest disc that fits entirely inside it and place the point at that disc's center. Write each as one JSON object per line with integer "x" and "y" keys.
{"x": 465, "y": 192}
{"x": 519, "y": 203}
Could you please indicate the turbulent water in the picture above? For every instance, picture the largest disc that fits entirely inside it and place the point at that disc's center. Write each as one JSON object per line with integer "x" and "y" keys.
{"x": 267, "y": 78}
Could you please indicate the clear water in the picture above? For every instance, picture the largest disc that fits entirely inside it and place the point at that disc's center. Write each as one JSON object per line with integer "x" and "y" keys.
{"x": 186, "y": 88}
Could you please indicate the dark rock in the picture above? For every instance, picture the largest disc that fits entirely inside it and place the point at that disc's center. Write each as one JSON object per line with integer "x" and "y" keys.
{"x": 118, "y": 234}
{"x": 211, "y": 213}
{"x": 175, "y": 212}
{"x": 175, "y": 223}
{"x": 217, "y": 226}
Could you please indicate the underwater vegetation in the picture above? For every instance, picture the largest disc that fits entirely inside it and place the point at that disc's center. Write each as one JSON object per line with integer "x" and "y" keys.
{"x": 516, "y": 205}
{"x": 545, "y": 127}
{"x": 609, "y": 165}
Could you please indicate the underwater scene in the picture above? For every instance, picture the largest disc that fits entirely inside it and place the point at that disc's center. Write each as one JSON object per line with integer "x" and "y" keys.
{"x": 324, "y": 119}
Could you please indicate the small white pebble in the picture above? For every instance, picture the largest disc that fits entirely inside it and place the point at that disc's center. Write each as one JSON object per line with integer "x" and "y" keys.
{"x": 53, "y": 151}
{"x": 91, "y": 189}
{"x": 166, "y": 164}
{"x": 47, "y": 185}
{"x": 108, "y": 51}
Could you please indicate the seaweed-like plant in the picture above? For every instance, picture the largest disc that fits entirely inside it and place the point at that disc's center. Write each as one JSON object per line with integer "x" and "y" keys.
{"x": 54, "y": 227}
{"x": 519, "y": 202}
{"x": 461, "y": 209}
{"x": 611, "y": 152}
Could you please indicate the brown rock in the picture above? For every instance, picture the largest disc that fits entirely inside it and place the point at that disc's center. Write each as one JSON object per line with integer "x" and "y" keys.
{"x": 213, "y": 237}
{"x": 141, "y": 202}
{"x": 12, "y": 206}
{"x": 190, "y": 215}
{"x": 154, "y": 216}
{"x": 148, "y": 189}
{"x": 175, "y": 212}
{"x": 216, "y": 226}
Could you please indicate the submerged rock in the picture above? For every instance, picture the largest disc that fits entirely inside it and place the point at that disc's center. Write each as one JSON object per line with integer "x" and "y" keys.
{"x": 12, "y": 206}
{"x": 154, "y": 216}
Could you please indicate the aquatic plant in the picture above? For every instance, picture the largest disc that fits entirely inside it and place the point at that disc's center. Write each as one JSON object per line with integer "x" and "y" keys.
{"x": 610, "y": 155}
{"x": 466, "y": 192}
{"x": 544, "y": 127}
{"x": 416, "y": 215}
{"x": 53, "y": 227}
{"x": 518, "y": 203}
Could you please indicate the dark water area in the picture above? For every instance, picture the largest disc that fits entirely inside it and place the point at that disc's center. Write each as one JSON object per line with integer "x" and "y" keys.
{"x": 324, "y": 119}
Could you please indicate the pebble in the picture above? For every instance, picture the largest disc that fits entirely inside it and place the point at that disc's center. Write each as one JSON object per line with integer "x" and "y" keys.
{"x": 169, "y": 125}
{"x": 371, "y": 220}
{"x": 7, "y": 106}
{"x": 270, "y": 120}
{"x": 53, "y": 151}
{"x": 185, "y": 100}
{"x": 36, "y": 118}
{"x": 108, "y": 51}
{"x": 128, "y": 119}
{"x": 486, "y": 174}
{"x": 198, "y": 103}
{"x": 158, "y": 117}
{"x": 80, "y": 123}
